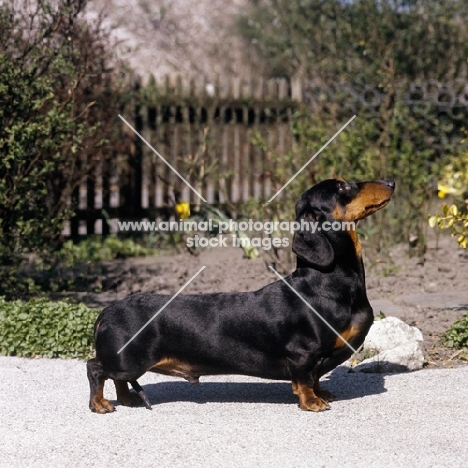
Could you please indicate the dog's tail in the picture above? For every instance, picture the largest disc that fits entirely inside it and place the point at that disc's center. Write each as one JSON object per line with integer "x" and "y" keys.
{"x": 96, "y": 324}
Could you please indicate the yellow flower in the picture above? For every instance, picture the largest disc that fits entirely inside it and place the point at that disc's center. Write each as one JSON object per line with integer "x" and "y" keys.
{"x": 444, "y": 190}
{"x": 183, "y": 210}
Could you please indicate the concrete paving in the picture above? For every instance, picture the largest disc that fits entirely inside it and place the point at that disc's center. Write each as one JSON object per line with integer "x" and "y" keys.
{"x": 417, "y": 419}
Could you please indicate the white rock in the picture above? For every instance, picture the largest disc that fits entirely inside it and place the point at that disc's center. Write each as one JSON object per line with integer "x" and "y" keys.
{"x": 400, "y": 347}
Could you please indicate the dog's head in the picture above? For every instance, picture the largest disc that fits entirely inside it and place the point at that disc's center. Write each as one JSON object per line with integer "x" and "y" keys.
{"x": 333, "y": 206}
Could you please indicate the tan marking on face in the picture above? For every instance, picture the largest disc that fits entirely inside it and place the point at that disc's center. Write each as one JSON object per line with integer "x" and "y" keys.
{"x": 372, "y": 197}
{"x": 338, "y": 213}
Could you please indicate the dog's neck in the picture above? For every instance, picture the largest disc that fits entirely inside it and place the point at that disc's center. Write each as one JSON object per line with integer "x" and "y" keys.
{"x": 348, "y": 253}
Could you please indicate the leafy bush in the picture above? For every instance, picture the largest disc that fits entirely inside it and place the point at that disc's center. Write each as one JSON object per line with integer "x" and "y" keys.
{"x": 454, "y": 183}
{"x": 47, "y": 329}
{"x": 334, "y": 40}
{"x": 360, "y": 153}
{"x": 344, "y": 48}
{"x": 58, "y": 112}
{"x": 29, "y": 154}
{"x": 455, "y": 220}
{"x": 95, "y": 249}
{"x": 457, "y": 335}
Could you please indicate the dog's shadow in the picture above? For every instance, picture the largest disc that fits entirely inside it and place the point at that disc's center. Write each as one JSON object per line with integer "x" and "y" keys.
{"x": 343, "y": 384}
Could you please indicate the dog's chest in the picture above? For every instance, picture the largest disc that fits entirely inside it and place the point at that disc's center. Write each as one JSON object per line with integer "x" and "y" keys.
{"x": 355, "y": 332}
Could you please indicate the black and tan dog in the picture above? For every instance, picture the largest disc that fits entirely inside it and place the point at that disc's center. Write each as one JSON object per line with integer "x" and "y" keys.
{"x": 270, "y": 333}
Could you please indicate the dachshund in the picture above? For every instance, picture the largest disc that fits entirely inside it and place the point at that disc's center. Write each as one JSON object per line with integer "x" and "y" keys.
{"x": 295, "y": 329}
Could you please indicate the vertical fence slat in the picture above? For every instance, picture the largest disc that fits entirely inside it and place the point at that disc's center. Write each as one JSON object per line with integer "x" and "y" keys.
{"x": 146, "y": 188}
{"x": 157, "y": 162}
{"x": 90, "y": 195}
{"x": 106, "y": 190}
{"x": 246, "y": 166}
{"x": 224, "y": 162}
{"x": 186, "y": 149}
{"x": 235, "y": 162}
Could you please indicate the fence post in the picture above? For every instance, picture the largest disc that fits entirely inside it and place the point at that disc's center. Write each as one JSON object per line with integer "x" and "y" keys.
{"x": 90, "y": 194}
{"x": 106, "y": 189}
{"x": 131, "y": 191}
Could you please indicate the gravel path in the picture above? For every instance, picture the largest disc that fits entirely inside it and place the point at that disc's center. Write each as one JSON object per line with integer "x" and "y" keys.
{"x": 416, "y": 419}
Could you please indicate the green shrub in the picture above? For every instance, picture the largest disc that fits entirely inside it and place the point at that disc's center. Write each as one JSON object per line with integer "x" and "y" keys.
{"x": 455, "y": 220}
{"x": 58, "y": 122}
{"x": 96, "y": 249}
{"x": 363, "y": 151}
{"x": 46, "y": 329}
{"x": 454, "y": 183}
{"x": 457, "y": 335}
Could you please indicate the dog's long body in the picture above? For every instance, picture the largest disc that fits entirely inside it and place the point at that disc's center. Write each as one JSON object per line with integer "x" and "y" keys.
{"x": 269, "y": 333}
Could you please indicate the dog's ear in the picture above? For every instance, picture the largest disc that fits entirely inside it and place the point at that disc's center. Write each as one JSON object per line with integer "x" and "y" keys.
{"x": 312, "y": 247}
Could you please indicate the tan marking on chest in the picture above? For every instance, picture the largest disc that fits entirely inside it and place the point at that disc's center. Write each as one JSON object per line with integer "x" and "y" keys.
{"x": 339, "y": 215}
{"x": 357, "y": 245}
{"x": 346, "y": 336}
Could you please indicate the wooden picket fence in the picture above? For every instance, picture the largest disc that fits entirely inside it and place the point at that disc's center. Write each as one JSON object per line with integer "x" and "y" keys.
{"x": 205, "y": 132}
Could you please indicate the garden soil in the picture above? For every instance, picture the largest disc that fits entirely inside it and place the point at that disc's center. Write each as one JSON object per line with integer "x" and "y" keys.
{"x": 429, "y": 292}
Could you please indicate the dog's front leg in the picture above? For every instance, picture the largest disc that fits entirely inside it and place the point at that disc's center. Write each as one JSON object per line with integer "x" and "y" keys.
{"x": 309, "y": 400}
{"x": 322, "y": 393}
{"x": 305, "y": 384}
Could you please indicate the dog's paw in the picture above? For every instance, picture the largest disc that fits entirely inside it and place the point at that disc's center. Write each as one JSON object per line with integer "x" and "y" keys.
{"x": 314, "y": 404}
{"x": 325, "y": 395}
{"x": 101, "y": 406}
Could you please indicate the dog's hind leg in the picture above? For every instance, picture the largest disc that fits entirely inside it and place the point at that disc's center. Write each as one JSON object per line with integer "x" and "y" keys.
{"x": 127, "y": 398}
{"x": 97, "y": 377}
{"x": 322, "y": 393}
{"x": 141, "y": 393}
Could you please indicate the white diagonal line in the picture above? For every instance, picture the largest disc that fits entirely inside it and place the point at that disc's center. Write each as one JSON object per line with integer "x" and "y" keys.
{"x": 157, "y": 154}
{"x": 312, "y": 309}
{"x": 312, "y": 158}
{"x": 161, "y": 309}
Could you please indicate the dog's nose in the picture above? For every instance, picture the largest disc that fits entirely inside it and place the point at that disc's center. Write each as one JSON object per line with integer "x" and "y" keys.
{"x": 390, "y": 183}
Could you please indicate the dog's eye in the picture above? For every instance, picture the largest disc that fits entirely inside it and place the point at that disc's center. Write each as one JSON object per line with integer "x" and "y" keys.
{"x": 343, "y": 187}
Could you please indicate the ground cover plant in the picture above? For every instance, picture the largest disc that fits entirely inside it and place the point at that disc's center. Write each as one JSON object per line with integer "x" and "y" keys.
{"x": 457, "y": 336}
{"x": 43, "y": 328}
{"x": 97, "y": 249}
